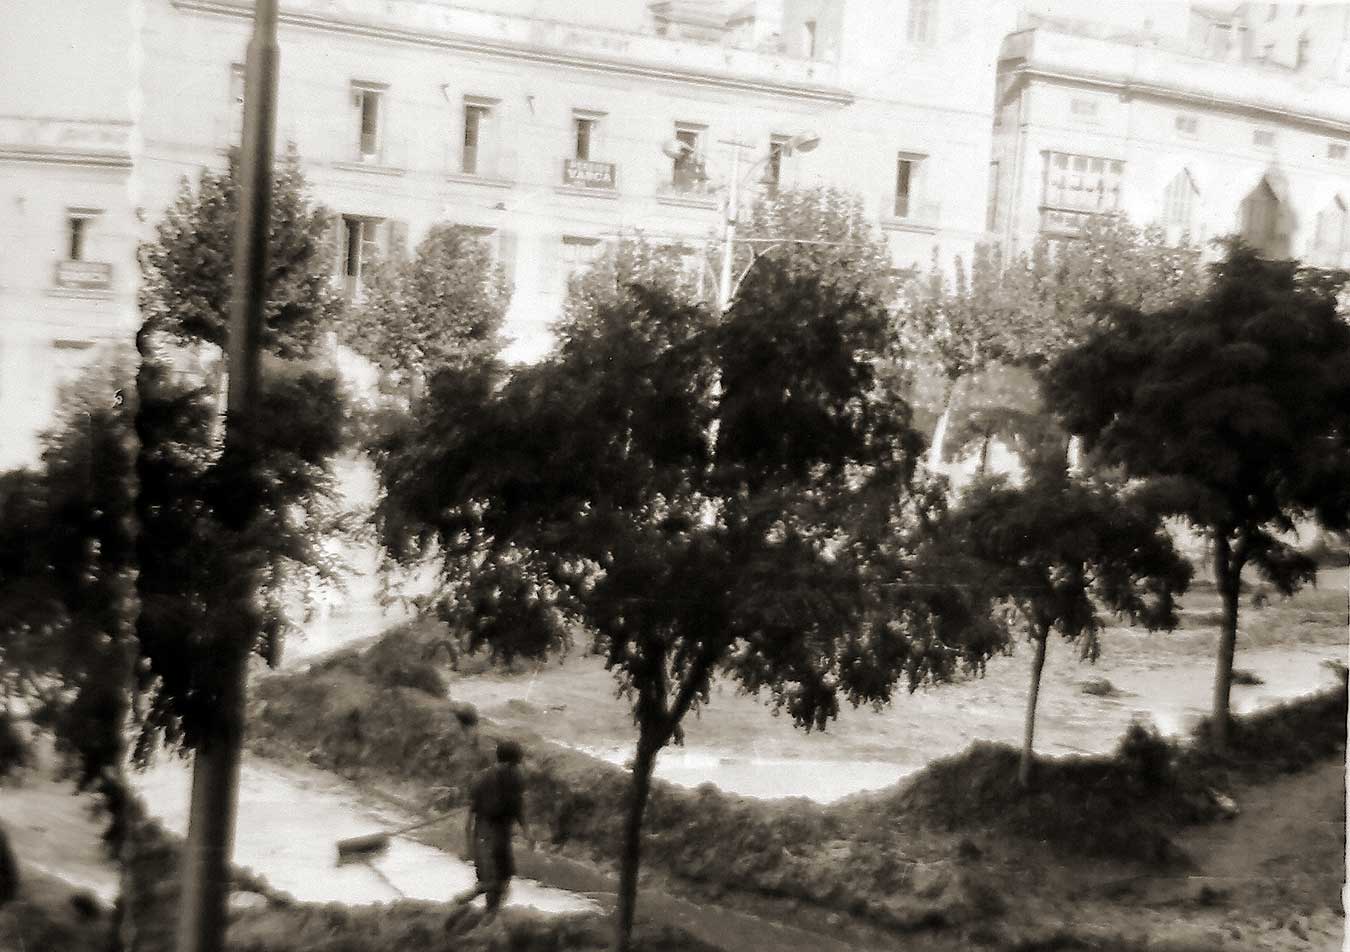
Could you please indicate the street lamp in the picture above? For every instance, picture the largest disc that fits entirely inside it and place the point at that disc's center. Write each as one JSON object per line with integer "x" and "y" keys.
{"x": 678, "y": 149}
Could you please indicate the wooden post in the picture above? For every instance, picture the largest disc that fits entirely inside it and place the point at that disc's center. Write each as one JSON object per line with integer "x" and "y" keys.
{"x": 205, "y": 875}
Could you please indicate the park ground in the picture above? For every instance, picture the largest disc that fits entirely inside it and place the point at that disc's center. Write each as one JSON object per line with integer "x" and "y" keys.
{"x": 941, "y": 854}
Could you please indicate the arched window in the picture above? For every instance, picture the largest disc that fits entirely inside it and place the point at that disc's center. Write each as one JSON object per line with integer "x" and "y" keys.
{"x": 1261, "y": 219}
{"x": 1333, "y": 233}
{"x": 1180, "y": 200}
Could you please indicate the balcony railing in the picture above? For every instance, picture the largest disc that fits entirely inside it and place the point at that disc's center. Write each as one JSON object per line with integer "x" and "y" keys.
{"x": 83, "y": 275}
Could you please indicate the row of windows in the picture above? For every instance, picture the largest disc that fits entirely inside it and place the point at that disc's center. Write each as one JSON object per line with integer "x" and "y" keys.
{"x": 475, "y": 147}
{"x": 1188, "y": 126}
{"x": 361, "y": 239}
{"x": 1079, "y": 185}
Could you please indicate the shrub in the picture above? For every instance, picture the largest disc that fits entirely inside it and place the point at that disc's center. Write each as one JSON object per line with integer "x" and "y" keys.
{"x": 418, "y": 675}
{"x": 1146, "y": 756}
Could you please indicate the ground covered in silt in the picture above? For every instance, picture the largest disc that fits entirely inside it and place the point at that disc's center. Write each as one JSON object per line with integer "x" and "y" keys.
{"x": 1123, "y": 847}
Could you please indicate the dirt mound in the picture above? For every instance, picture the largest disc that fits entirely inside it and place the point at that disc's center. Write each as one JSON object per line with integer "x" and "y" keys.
{"x": 50, "y": 914}
{"x": 891, "y": 857}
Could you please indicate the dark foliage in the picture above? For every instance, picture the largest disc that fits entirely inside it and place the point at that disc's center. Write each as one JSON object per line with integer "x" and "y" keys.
{"x": 1233, "y": 409}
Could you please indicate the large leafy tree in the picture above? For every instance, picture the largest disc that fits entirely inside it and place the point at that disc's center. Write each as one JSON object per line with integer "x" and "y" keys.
{"x": 1235, "y": 409}
{"x": 119, "y": 553}
{"x": 701, "y": 497}
{"x": 1023, "y": 311}
{"x": 441, "y": 307}
{"x": 819, "y": 230}
{"x": 1056, "y": 550}
{"x": 192, "y": 543}
{"x": 67, "y": 576}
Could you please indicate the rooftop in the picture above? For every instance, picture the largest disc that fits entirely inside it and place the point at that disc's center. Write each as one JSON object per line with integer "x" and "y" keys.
{"x": 1147, "y": 68}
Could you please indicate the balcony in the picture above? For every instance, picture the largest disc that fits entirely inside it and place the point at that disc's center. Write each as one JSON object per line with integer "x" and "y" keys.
{"x": 916, "y": 216}
{"x": 101, "y": 143}
{"x": 83, "y": 276}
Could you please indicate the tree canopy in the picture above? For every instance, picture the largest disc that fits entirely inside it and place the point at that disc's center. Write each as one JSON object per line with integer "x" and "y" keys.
{"x": 192, "y": 544}
{"x": 1023, "y": 311}
{"x": 1234, "y": 408}
{"x": 694, "y": 496}
{"x": 1056, "y": 549}
{"x": 442, "y": 307}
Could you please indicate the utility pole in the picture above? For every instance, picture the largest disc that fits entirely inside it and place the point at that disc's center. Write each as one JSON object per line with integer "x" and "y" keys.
{"x": 205, "y": 875}
{"x": 729, "y": 227}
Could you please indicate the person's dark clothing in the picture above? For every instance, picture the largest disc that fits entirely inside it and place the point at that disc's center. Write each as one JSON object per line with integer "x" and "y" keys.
{"x": 9, "y": 870}
{"x": 498, "y": 800}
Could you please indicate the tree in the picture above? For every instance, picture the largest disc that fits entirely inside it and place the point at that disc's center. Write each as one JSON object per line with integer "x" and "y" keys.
{"x": 442, "y": 307}
{"x": 702, "y": 497}
{"x": 1054, "y": 549}
{"x": 821, "y": 231}
{"x": 190, "y": 546}
{"x": 67, "y": 572}
{"x": 1235, "y": 410}
{"x": 1022, "y": 312}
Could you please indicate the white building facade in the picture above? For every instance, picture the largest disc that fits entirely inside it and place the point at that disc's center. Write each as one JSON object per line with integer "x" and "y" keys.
{"x": 541, "y": 123}
{"x": 1196, "y": 143}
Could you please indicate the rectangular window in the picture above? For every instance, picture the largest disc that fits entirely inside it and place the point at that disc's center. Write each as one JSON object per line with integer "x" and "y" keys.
{"x": 919, "y": 27}
{"x": 584, "y": 128}
{"x": 1336, "y": 150}
{"x": 1083, "y": 108}
{"x": 809, "y": 39}
{"x": 578, "y": 254}
{"x": 1187, "y": 125}
{"x": 77, "y": 227}
{"x": 687, "y": 168}
{"x": 906, "y": 182}
{"x": 773, "y": 167}
{"x": 1082, "y": 182}
{"x": 369, "y": 101}
{"x": 1273, "y": 12}
{"x": 1264, "y": 138}
{"x": 476, "y": 117}
{"x": 360, "y": 246}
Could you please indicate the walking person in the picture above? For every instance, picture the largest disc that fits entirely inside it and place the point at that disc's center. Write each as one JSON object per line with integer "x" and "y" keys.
{"x": 496, "y": 803}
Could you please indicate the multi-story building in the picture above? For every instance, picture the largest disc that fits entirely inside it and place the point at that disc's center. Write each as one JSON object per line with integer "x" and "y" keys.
{"x": 1165, "y": 131}
{"x": 540, "y": 123}
{"x": 548, "y": 134}
{"x": 67, "y": 212}
{"x": 548, "y": 125}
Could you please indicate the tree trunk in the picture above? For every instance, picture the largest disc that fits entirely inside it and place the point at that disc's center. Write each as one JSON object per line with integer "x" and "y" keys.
{"x": 205, "y": 876}
{"x": 940, "y": 431}
{"x": 1037, "y": 665}
{"x": 984, "y": 455}
{"x": 631, "y": 856}
{"x": 1228, "y": 578}
{"x": 1073, "y": 456}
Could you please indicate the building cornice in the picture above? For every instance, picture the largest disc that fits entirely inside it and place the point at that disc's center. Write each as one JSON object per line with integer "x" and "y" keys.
{"x": 1128, "y": 87}
{"x": 524, "y": 52}
{"x": 54, "y": 155}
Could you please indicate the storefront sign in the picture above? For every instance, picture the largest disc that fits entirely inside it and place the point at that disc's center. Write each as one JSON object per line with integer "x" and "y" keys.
{"x": 580, "y": 173}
